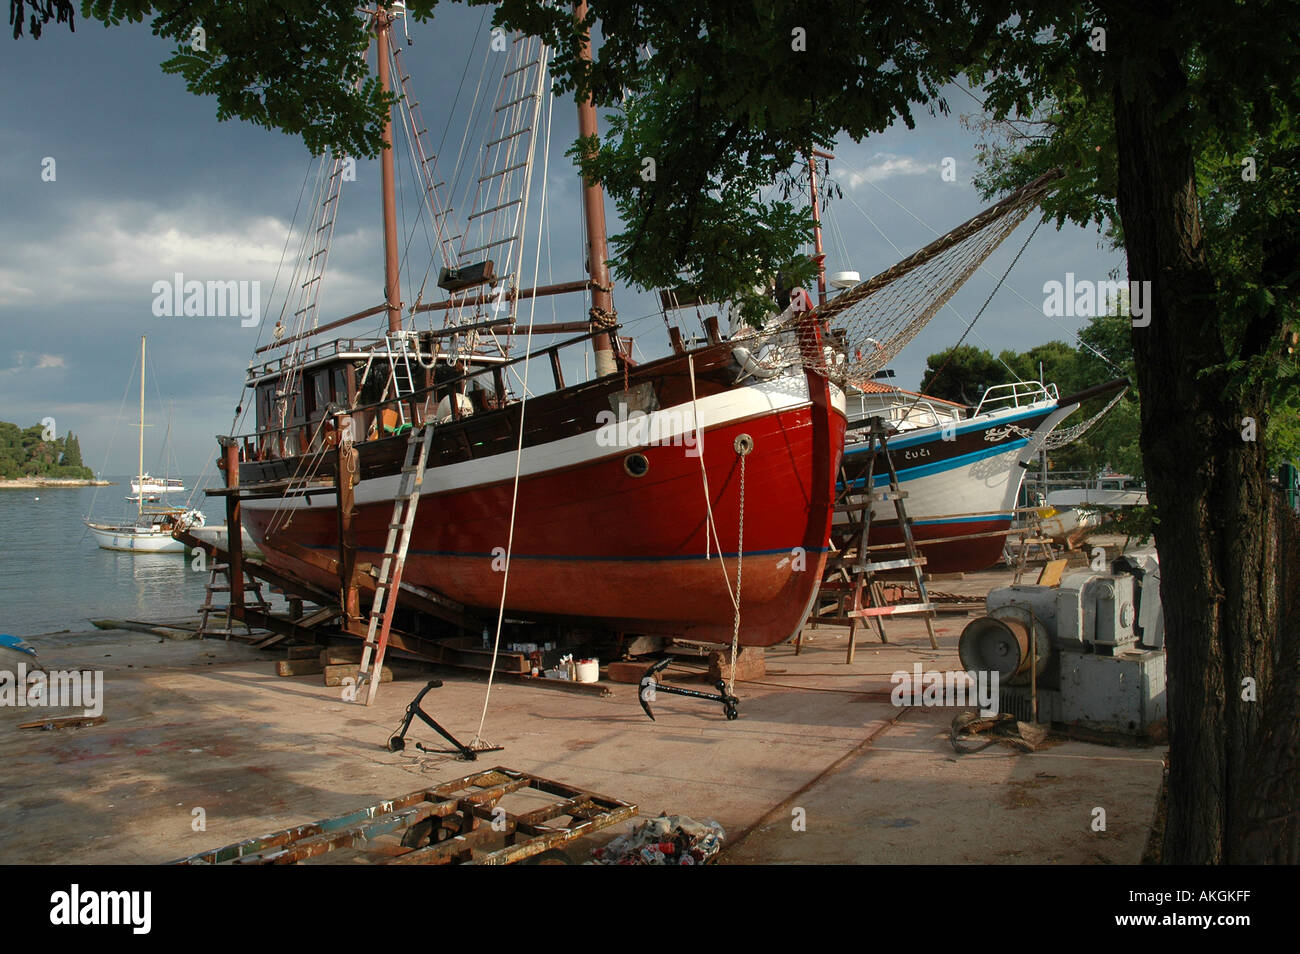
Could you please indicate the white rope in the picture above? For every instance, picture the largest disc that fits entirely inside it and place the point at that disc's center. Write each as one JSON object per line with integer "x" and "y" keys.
{"x": 710, "y": 524}
{"x": 711, "y": 527}
{"x": 519, "y": 449}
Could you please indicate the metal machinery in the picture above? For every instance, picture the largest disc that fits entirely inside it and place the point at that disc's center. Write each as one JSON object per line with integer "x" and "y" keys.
{"x": 1089, "y": 652}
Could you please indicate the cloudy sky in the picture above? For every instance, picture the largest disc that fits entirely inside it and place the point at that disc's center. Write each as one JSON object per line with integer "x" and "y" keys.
{"x": 147, "y": 183}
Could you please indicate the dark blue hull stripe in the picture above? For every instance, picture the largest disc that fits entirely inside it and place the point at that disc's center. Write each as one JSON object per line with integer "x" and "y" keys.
{"x": 939, "y": 466}
{"x": 784, "y": 551}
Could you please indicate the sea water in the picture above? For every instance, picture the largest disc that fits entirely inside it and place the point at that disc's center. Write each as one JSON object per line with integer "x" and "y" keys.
{"x": 54, "y": 576}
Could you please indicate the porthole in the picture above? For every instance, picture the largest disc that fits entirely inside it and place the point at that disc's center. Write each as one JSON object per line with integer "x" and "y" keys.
{"x": 636, "y": 465}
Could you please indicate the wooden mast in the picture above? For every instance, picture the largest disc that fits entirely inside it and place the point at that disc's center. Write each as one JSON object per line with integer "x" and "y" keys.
{"x": 139, "y": 504}
{"x": 392, "y": 280}
{"x": 813, "y": 156}
{"x": 593, "y": 204}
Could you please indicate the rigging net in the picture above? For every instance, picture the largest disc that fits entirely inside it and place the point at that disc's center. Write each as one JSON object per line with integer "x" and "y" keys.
{"x": 871, "y": 323}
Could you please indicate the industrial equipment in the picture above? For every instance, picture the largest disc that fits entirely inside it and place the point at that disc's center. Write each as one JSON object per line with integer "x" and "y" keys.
{"x": 1089, "y": 652}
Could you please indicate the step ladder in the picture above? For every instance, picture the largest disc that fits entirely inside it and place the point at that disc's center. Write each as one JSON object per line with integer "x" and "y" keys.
{"x": 218, "y": 571}
{"x": 1031, "y": 536}
{"x": 405, "y": 502}
{"x": 858, "y": 572}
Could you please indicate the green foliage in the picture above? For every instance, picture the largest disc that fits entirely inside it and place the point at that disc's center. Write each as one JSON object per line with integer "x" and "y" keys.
{"x": 294, "y": 65}
{"x": 24, "y": 454}
{"x": 727, "y": 98}
{"x": 1242, "y": 107}
{"x": 71, "y": 451}
{"x": 697, "y": 208}
{"x": 964, "y": 373}
{"x": 43, "y": 11}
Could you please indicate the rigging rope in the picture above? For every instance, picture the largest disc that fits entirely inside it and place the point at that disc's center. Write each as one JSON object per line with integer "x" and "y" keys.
{"x": 1058, "y": 439}
{"x": 1036, "y": 308}
{"x": 519, "y": 448}
{"x": 711, "y": 526}
{"x": 876, "y": 319}
{"x": 892, "y": 244}
{"x": 953, "y": 350}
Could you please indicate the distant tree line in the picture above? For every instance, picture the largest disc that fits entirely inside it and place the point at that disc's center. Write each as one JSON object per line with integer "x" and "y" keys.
{"x": 963, "y": 373}
{"x": 23, "y": 453}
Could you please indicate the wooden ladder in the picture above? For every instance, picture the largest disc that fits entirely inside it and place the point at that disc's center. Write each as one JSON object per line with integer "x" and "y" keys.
{"x": 217, "y": 572}
{"x": 405, "y": 503}
{"x": 858, "y": 570}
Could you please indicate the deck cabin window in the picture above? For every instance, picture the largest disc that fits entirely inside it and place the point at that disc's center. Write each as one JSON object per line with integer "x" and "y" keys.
{"x": 339, "y": 383}
{"x": 318, "y": 394}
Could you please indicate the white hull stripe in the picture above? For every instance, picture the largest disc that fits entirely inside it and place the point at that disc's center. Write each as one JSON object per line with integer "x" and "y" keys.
{"x": 672, "y": 426}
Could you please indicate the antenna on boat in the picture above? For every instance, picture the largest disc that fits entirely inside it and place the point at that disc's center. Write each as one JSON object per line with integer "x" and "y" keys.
{"x": 593, "y": 203}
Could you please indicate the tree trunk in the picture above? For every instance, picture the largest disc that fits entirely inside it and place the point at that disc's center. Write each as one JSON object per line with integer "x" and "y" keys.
{"x": 1216, "y": 534}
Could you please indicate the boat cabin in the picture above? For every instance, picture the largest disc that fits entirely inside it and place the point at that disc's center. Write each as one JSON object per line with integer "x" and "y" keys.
{"x": 391, "y": 386}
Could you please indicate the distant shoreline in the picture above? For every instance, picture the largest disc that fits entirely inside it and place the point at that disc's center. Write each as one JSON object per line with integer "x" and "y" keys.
{"x": 37, "y": 483}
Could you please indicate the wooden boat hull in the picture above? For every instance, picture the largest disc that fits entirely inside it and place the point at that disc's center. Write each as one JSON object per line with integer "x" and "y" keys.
{"x": 218, "y": 537}
{"x": 965, "y": 487}
{"x": 596, "y": 544}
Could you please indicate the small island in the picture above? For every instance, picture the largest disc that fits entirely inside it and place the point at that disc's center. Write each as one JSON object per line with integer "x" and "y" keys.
{"x": 28, "y": 459}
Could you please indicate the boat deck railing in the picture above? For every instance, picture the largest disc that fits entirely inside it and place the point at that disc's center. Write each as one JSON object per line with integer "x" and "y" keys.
{"x": 417, "y": 402}
{"x": 1015, "y": 394}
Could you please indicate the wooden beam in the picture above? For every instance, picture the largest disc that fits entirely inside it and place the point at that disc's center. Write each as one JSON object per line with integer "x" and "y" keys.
{"x": 562, "y": 288}
{"x": 234, "y": 526}
{"x": 348, "y": 463}
{"x": 711, "y": 329}
{"x": 378, "y": 309}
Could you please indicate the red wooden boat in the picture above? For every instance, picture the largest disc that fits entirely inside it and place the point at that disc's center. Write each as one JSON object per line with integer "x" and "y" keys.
{"x": 634, "y": 530}
{"x": 617, "y": 536}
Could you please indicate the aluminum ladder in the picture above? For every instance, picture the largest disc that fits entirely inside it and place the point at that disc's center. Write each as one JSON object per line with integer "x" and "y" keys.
{"x": 400, "y": 373}
{"x": 393, "y": 560}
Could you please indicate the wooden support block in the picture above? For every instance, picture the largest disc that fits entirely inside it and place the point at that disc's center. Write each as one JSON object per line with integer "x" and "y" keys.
{"x": 301, "y": 652}
{"x": 298, "y": 667}
{"x": 334, "y": 675}
{"x": 751, "y": 663}
{"x": 337, "y": 655}
{"x": 627, "y": 672}
{"x": 1051, "y": 573}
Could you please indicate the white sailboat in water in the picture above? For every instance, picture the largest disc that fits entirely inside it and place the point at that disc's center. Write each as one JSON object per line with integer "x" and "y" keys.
{"x": 151, "y": 531}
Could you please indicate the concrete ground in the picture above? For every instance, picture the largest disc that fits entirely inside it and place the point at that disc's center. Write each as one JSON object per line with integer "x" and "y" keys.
{"x": 206, "y": 724}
